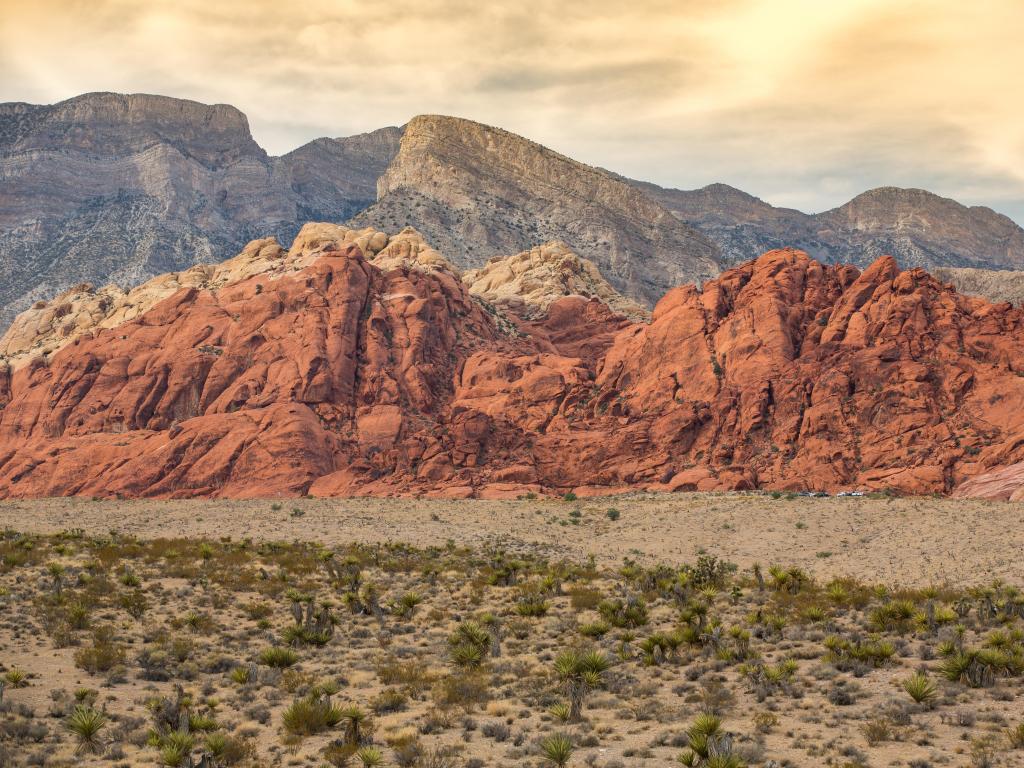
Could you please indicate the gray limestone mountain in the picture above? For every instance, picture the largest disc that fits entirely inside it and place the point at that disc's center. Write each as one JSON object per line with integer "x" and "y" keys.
{"x": 919, "y": 228}
{"x": 476, "y": 192}
{"x": 119, "y": 188}
{"x": 995, "y": 285}
{"x": 108, "y": 187}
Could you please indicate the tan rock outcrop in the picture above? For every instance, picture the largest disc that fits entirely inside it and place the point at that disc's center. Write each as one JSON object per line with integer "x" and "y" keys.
{"x": 529, "y": 282}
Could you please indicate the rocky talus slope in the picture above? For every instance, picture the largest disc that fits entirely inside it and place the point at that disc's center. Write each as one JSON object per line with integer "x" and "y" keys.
{"x": 476, "y": 192}
{"x": 118, "y": 188}
{"x": 335, "y": 376}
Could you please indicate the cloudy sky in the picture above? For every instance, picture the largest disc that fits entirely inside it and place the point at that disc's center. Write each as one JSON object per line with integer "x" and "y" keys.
{"x": 802, "y": 102}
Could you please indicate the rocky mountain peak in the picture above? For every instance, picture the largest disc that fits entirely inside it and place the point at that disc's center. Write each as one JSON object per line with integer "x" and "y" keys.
{"x": 476, "y": 192}
{"x": 108, "y": 124}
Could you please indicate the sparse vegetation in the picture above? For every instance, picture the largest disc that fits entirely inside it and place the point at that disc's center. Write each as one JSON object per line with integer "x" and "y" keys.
{"x": 449, "y": 657}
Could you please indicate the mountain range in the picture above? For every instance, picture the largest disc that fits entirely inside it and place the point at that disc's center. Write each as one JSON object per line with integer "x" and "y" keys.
{"x": 120, "y": 188}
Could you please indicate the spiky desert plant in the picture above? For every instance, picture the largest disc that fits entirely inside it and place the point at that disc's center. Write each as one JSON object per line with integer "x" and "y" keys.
{"x": 704, "y": 727}
{"x": 86, "y": 724}
{"x": 580, "y": 672}
{"x": 920, "y": 688}
{"x": 16, "y": 677}
{"x": 176, "y": 748}
{"x": 278, "y": 656}
{"x": 560, "y": 712}
{"x": 355, "y": 719}
{"x": 56, "y": 571}
{"x": 469, "y": 644}
{"x": 370, "y": 757}
{"x": 557, "y": 749}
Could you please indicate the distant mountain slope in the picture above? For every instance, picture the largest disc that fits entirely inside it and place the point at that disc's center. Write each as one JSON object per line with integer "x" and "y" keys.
{"x": 917, "y": 227}
{"x": 119, "y": 188}
{"x": 109, "y": 187}
{"x": 476, "y": 192}
{"x": 995, "y": 285}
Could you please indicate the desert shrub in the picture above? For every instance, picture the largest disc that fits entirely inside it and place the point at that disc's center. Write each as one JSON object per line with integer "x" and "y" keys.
{"x": 629, "y": 613}
{"x": 466, "y": 691}
{"x": 388, "y": 700}
{"x": 412, "y": 675}
{"x": 103, "y": 654}
{"x": 584, "y": 598}
{"x": 278, "y": 657}
{"x": 310, "y": 716}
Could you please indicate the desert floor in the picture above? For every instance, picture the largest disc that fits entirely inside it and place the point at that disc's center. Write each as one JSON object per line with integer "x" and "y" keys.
{"x": 906, "y": 541}
{"x": 255, "y": 633}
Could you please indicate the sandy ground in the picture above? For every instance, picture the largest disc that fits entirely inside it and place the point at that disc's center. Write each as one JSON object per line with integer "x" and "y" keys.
{"x": 912, "y": 541}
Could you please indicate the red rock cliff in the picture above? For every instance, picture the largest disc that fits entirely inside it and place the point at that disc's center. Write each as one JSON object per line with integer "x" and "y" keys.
{"x": 342, "y": 378}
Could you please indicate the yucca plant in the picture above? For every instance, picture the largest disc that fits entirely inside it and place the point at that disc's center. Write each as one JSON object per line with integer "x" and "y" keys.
{"x": 920, "y": 688}
{"x": 469, "y": 644}
{"x": 355, "y": 719}
{"x": 370, "y": 757}
{"x": 595, "y": 629}
{"x": 579, "y": 673}
{"x": 557, "y": 749}
{"x": 176, "y": 748}
{"x": 560, "y": 712}
{"x": 86, "y": 724}
{"x": 278, "y": 656}
{"x": 205, "y": 723}
{"x": 704, "y": 727}
{"x": 406, "y": 605}
{"x": 16, "y": 677}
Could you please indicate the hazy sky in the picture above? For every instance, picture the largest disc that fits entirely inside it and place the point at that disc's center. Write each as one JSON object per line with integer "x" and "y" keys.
{"x": 801, "y": 102}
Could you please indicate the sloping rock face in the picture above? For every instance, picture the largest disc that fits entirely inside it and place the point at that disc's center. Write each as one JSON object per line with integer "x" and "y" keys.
{"x": 529, "y": 282}
{"x": 1004, "y": 483}
{"x": 50, "y": 326}
{"x": 340, "y": 377}
{"x": 476, "y": 192}
{"x": 918, "y": 227}
{"x": 119, "y": 188}
{"x": 260, "y": 387}
{"x": 995, "y": 285}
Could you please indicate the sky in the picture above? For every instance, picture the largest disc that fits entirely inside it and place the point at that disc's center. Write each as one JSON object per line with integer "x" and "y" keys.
{"x": 804, "y": 103}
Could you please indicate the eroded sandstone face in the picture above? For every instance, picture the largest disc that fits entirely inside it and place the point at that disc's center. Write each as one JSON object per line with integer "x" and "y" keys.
{"x": 358, "y": 363}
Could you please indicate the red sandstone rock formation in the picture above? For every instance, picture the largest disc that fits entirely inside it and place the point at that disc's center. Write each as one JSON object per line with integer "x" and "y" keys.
{"x": 343, "y": 378}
